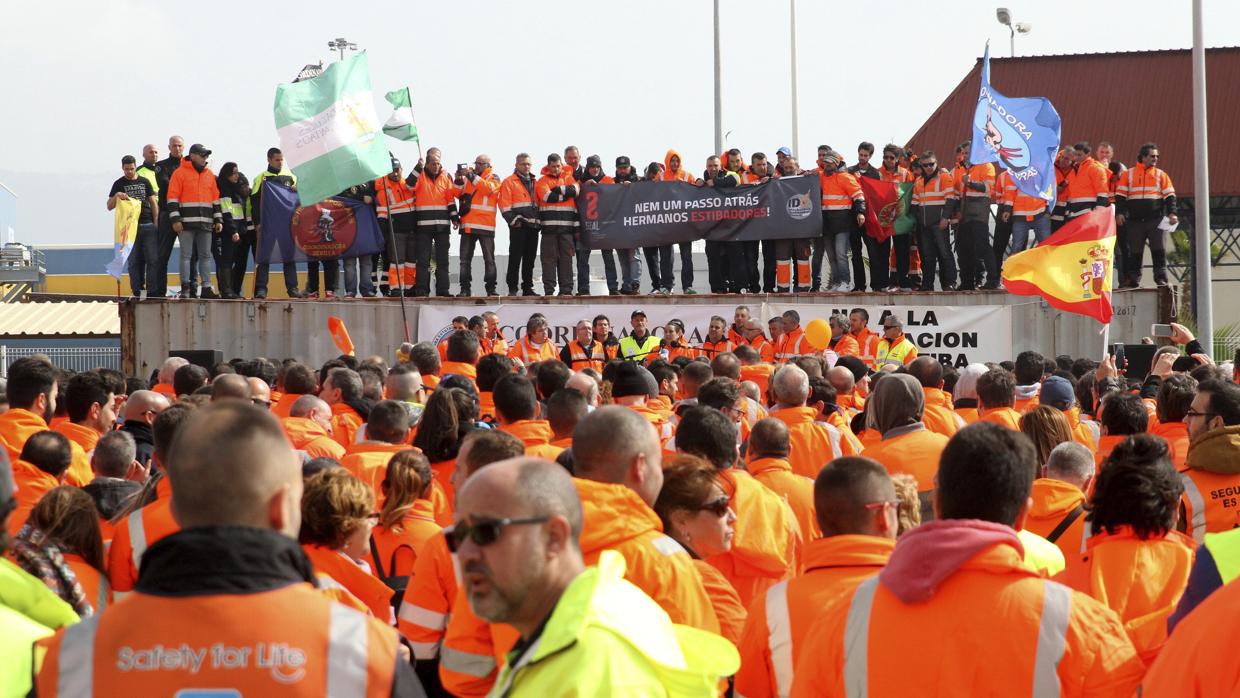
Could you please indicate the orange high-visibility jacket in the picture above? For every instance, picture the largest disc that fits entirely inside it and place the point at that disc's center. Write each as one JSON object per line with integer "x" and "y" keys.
{"x": 368, "y": 461}
{"x": 938, "y": 416}
{"x": 1020, "y": 203}
{"x": 841, "y": 193}
{"x": 32, "y": 484}
{"x": 915, "y": 451}
{"x": 194, "y": 198}
{"x": 814, "y": 443}
{"x": 680, "y": 175}
{"x": 536, "y": 435}
{"x": 779, "y": 620}
{"x": 579, "y": 358}
{"x": 996, "y": 628}
{"x": 1088, "y": 185}
{"x": 868, "y": 341}
{"x": 1053, "y": 501}
{"x": 293, "y": 640}
{"x": 434, "y": 201}
{"x": 364, "y": 586}
{"x": 766, "y": 545}
{"x": 473, "y": 651}
{"x": 846, "y": 345}
{"x": 1200, "y": 661}
{"x": 1211, "y": 497}
{"x": 94, "y": 582}
{"x": 484, "y": 193}
{"x": 1084, "y": 432}
{"x": 137, "y": 532}
{"x": 345, "y": 423}
{"x": 724, "y": 599}
{"x": 617, "y": 519}
{"x": 791, "y": 345}
{"x": 283, "y": 405}
{"x": 393, "y": 198}
{"x": 309, "y": 437}
{"x": 557, "y": 202}
{"x": 428, "y": 599}
{"x": 1106, "y": 444}
{"x": 760, "y": 374}
{"x": 1004, "y": 417}
{"x": 398, "y": 547}
{"x": 1144, "y": 192}
{"x": 528, "y": 353}
{"x": 1176, "y": 436}
{"x": 516, "y": 200}
{"x": 1141, "y": 580}
{"x": 798, "y": 490}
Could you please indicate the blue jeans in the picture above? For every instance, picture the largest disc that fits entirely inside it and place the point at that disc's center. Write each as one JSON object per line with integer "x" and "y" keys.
{"x": 1040, "y": 225}
{"x": 352, "y": 279}
{"x": 195, "y": 241}
{"x": 144, "y": 259}
{"x": 837, "y": 253}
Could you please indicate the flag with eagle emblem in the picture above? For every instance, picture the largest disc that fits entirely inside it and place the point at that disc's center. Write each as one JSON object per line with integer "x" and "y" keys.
{"x": 887, "y": 208}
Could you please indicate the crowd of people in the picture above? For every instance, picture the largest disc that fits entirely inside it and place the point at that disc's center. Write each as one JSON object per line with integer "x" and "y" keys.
{"x": 633, "y": 517}
{"x": 967, "y": 219}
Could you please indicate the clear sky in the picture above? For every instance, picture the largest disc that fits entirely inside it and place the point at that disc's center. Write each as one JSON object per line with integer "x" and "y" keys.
{"x": 88, "y": 82}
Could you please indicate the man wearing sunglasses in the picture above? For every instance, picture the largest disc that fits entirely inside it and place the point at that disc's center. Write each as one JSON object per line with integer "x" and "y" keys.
{"x": 517, "y": 539}
{"x": 1143, "y": 196}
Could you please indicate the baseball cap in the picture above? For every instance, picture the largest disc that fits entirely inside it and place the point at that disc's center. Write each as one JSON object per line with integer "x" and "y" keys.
{"x": 623, "y": 161}
{"x": 395, "y": 163}
{"x": 784, "y": 150}
{"x": 199, "y": 149}
{"x": 1057, "y": 392}
{"x": 594, "y": 161}
{"x": 636, "y": 313}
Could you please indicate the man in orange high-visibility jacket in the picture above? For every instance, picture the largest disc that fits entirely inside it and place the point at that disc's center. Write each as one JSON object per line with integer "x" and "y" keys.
{"x": 1122, "y": 415}
{"x": 479, "y": 187}
{"x": 556, "y": 195}
{"x": 387, "y": 433}
{"x": 965, "y": 570}
{"x": 434, "y": 206}
{"x": 825, "y": 400}
{"x": 32, "y": 391}
{"x": 931, "y": 204}
{"x": 618, "y": 459}
{"x": 1057, "y": 512}
{"x": 857, "y": 514}
{"x": 813, "y": 442}
{"x": 996, "y": 393}
{"x": 843, "y": 207}
{"x": 842, "y": 342}
{"x": 517, "y": 206}
{"x": 1211, "y": 480}
{"x": 237, "y": 563}
{"x": 536, "y": 345}
{"x": 1175, "y": 397}
{"x": 583, "y": 351}
{"x": 767, "y": 460}
{"x": 767, "y": 540}
{"x": 394, "y": 207}
{"x": 341, "y": 390}
{"x": 1088, "y": 182}
{"x": 42, "y": 467}
{"x": 308, "y": 428}
{"x": 1143, "y": 196}
{"x": 939, "y": 417}
{"x": 92, "y": 413}
{"x": 867, "y": 339}
{"x": 974, "y": 184}
{"x": 1199, "y": 659}
{"x": 516, "y": 406}
{"x": 792, "y": 342}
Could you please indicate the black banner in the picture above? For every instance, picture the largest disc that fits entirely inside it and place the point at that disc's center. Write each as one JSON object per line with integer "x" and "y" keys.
{"x": 647, "y": 214}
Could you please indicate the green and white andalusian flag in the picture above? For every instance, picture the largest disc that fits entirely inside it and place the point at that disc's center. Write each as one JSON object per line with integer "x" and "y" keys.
{"x": 400, "y": 124}
{"x": 329, "y": 130}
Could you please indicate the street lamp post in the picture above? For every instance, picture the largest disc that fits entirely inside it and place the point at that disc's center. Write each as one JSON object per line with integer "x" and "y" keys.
{"x": 1005, "y": 18}
{"x": 792, "y": 8}
{"x": 718, "y": 87}
{"x": 341, "y": 44}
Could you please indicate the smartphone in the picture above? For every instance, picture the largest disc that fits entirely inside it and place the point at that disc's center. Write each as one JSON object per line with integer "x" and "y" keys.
{"x": 1117, "y": 350}
{"x": 1160, "y": 330}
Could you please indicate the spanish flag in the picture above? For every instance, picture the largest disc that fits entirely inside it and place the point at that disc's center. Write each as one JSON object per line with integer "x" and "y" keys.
{"x": 340, "y": 335}
{"x": 1071, "y": 269}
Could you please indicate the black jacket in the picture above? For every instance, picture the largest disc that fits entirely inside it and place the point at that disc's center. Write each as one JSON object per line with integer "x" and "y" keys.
{"x": 163, "y": 174}
{"x": 143, "y": 439}
{"x": 236, "y": 560}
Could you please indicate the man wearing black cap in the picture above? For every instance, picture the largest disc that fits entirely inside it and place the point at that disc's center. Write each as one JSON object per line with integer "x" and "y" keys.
{"x": 640, "y": 345}
{"x": 630, "y": 260}
{"x": 593, "y": 173}
{"x": 195, "y": 213}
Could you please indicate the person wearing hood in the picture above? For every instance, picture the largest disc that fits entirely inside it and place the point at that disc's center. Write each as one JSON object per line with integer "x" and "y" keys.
{"x": 961, "y": 581}
{"x": 897, "y": 405}
{"x": 1213, "y": 475}
{"x": 517, "y": 206}
{"x": 234, "y": 195}
{"x": 194, "y": 209}
{"x": 964, "y": 393}
{"x": 1057, "y": 509}
{"x": 556, "y": 192}
{"x": 593, "y": 173}
{"x": 717, "y": 253}
{"x": 479, "y": 187}
{"x": 855, "y": 506}
{"x": 674, "y": 171}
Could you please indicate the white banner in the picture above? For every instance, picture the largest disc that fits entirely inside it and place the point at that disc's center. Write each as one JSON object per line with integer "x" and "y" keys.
{"x": 955, "y": 335}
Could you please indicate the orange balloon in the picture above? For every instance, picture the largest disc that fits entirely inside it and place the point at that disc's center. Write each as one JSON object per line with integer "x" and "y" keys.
{"x": 818, "y": 334}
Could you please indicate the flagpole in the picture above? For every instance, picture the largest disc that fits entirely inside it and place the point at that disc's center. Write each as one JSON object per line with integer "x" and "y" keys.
{"x": 1106, "y": 341}
{"x": 1202, "y": 290}
{"x": 400, "y": 281}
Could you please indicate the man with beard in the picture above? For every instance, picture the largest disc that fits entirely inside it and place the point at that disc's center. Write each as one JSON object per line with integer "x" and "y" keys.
{"x": 435, "y": 209}
{"x": 516, "y": 205}
{"x": 479, "y": 190}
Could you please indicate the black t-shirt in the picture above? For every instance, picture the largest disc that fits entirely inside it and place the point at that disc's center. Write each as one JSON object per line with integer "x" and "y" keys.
{"x": 137, "y": 188}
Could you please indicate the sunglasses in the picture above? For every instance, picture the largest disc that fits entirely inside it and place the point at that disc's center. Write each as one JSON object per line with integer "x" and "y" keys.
{"x": 718, "y": 507}
{"x": 485, "y": 531}
{"x": 882, "y": 505}
{"x": 929, "y": 164}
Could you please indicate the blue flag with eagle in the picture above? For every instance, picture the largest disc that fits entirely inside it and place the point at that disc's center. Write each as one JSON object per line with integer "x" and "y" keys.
{"x": 1020, "y": 133}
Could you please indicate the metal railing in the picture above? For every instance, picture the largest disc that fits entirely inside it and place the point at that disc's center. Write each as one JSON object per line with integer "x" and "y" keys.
{"x": 71, "y": 358}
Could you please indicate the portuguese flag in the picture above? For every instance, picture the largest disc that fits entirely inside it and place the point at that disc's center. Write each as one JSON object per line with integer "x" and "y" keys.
{"x": 1071, "y": 269}
{"x": 887, "y": 208}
